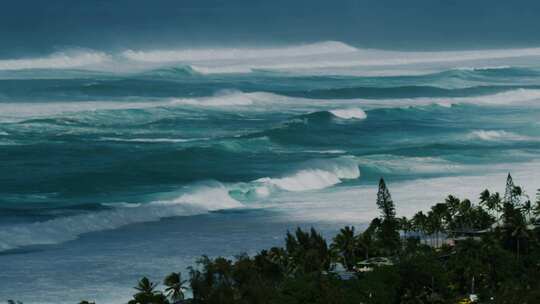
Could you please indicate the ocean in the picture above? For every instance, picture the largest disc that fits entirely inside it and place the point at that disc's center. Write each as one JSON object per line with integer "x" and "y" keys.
{"x": 115, "y": 165}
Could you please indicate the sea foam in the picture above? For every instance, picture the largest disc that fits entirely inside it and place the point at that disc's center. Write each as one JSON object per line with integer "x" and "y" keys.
{"x": 64, "y": 60}
{"x": 351, "y": 113}
{"x": 493, "y": 135}
{"x": 190, "y": 55}
{"x": 199, "y": 199}
{"x": 233, "y": 100}
{"x": 318, "y": 174}
{"x": 196, "y": 199}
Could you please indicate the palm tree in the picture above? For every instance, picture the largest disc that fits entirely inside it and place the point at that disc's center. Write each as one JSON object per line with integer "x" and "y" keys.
{"x": 517, "y": 194}
{"x": 519, "y": 231}
{"x": 536, "y": 209}
{"x": 527, "y": 208}
{"x": 145, "y": 286}
{"x": 485, "y": 197}
{"x": 175, "y": 286}
{"x": 406, "y": 226}
{"x": 432, "y": 224}
{"x": 440, "y": 213}
{"x": 146, "y": 293}
{"x": 419, "y": 222}
{"x": 496, "y": 203}
{"x": 366, "y": 239}
{"x": 452, "y": 203}
{"x": 344, "y": 246}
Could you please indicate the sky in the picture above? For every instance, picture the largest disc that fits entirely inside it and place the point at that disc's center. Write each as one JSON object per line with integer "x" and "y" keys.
{"x": 29, "y": 27}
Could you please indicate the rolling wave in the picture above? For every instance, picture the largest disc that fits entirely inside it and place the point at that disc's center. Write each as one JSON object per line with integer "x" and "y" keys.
{"x": 190, "y": 55}
{"x": 196, "y": 199}
{"x": 66, "y": 60}
{"x": 232, "y": 100}
{"x": 317, "y": 175}
{"x": 199, "y": 200}
{"x": 328, "y": 57}
{"x": 350, "y": 113}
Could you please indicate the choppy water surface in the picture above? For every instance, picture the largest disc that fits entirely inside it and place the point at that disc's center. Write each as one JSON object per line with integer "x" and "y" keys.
{"x": 132, "y": 163}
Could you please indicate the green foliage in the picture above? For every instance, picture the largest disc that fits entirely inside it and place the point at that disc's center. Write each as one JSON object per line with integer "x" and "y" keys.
{"x": 345, "y": 247}
{"x": 380, "y": 286}
{"x": 307, "y": 251}
{"x": 496, "y": 255}
{"x": 146, "y": 293}
{"x": 388, "y": 232}
{"x": 175, "y": 286}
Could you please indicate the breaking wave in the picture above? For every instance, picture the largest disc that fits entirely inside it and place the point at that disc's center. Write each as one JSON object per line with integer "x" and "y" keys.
{"x": 377, "y": 62}
{"x": 351, "y": 113}
{"x": 316, "y": 175}
{"x": 64, "y": 60}
{"x": 199, "y": 200}
{"x": 232, "y": 100}
{"x": 190, "y": 55}
{"x": 327, "y": 57}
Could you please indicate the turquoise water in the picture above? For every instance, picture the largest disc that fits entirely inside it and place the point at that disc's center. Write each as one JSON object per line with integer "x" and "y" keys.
{"x": 128, "y": 164}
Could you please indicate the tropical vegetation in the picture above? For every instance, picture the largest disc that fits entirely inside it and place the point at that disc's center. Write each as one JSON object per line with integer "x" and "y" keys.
{"x": 455, "y": 252}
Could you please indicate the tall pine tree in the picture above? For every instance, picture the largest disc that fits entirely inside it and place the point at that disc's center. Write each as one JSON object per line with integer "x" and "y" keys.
{"x": 388, "y": 233}
{"x": 509, "y": 192}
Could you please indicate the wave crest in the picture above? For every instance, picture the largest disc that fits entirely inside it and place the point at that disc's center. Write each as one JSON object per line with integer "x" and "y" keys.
{"x": 200, "y": 199}
{"x": 351, "y": 113}
{"x": 316, "y": 175}
{"x": 63, "y": 60}
{"x": 196, "y": 199}
{"x": 190, "y": 55}
{"x": 492, "y": 135}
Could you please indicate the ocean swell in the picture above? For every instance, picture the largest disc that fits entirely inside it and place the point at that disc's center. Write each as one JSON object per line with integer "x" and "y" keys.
{"x": 198, "y": 200}
{"x": 195, "y": 199}
{"x": 317, "y": 174}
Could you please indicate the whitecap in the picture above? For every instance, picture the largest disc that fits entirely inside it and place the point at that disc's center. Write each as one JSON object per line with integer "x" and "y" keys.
{"x": 316, "y": 175}
{"x": 351, "y": 113}
{"x": 497, "y": 135}
{"x": 199, "y": 199}
{"x": 209, "y": 54}
{"x": 63, "y": 60}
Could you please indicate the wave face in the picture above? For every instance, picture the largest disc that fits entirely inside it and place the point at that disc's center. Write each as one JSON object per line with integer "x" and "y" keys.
{"x": 318, "y": 175}
{"x": 198, "y": 200}
{"x": 93, "y": 141}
